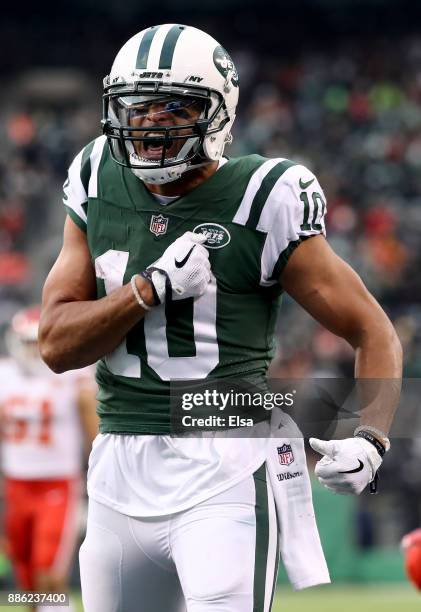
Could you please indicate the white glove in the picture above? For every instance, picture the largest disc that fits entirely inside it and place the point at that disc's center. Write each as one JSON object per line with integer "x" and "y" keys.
{"x": 347, "y": 465}
{"x": 183, "y": 269}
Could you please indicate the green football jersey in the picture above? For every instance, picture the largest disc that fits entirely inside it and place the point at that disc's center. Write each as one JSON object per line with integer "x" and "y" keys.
{"x": 254, "y": 212}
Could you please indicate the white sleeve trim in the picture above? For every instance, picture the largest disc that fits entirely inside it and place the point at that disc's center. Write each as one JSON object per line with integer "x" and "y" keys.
{"x": 95, "y": 158}
{"x": 74, "y": 192}
{"x": 273, "y": 247}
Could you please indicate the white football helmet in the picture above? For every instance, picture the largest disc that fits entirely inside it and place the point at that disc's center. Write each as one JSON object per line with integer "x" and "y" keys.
{"x": 169, "y": 102}
{"x": 22, "y": 341}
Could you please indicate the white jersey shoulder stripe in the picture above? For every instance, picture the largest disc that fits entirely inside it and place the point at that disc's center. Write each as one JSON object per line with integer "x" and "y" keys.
{"x": 75, "y": 195}
{"x": 243, "y": 212}
{"x": 74, "y": 191}
{"x": 95, "y": 159}
{"x": 275, "y": 201}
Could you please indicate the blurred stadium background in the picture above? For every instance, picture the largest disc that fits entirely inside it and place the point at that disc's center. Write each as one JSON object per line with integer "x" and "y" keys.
{"x": 335, "y": 84}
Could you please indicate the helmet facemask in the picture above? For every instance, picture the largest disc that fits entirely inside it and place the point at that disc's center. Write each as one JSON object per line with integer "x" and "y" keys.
{"x": 152, "y": 127}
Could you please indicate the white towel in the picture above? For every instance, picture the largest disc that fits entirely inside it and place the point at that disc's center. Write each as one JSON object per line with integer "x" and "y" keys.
{"x": 299, "y": 539}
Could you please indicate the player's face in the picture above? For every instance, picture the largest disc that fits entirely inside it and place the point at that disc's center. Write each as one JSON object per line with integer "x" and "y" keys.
{"x": 163, "y": 113}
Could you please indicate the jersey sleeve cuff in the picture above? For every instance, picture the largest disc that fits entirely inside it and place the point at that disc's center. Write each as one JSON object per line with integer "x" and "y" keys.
{"x": 284, "y": 257}
{"x": 76, "y": 219}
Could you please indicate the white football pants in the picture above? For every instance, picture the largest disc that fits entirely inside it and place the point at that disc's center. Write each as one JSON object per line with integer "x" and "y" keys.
{"x": 218, "y": 556}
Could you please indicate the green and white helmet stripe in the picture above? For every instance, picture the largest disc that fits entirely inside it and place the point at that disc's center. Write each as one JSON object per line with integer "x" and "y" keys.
{"x": 168, "y": 47}
{"x": 145, "y": 47}
{"x": 157, "y": 46}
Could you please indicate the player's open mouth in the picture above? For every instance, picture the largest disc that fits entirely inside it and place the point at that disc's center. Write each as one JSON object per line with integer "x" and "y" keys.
{"x": 152, "y": 149}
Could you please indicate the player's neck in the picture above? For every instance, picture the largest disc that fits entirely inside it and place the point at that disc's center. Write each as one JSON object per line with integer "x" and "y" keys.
{"x": 186, "y": 183}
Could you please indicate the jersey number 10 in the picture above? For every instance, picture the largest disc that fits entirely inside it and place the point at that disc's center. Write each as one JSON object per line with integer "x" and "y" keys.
{"x": 111, "y": 268}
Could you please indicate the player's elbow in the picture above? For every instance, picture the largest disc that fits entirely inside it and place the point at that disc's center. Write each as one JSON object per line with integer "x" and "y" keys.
{"x": 392, "y": 348}
{"x": 390, "y": 338}
{"x": 51, "y": 356}
{"x": 50, "y": 350}
{"x": 379, "y": 334}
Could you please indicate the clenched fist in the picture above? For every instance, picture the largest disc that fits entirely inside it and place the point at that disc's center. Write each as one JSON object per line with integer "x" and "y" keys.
{"x": 182, "y": 271}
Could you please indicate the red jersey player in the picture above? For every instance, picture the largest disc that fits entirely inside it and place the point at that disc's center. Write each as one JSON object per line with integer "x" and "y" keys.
{"x": 411, "y": 546}
{"x": 45, "y": 418}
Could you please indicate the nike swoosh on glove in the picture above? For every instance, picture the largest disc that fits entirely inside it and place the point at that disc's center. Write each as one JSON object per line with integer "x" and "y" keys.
{"x": 183, "y": 268}
{"x": 347, "y": 466}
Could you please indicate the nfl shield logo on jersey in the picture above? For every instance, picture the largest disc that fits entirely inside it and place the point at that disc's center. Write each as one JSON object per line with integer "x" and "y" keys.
{"x": 285, "y": 454}
{"x": 158, "y": 225}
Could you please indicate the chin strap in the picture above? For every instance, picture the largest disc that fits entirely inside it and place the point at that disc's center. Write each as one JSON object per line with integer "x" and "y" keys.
{"x": 147, "y": 175}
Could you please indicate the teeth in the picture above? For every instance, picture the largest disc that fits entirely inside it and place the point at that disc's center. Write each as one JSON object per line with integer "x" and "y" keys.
{"x": 141, "y": 158}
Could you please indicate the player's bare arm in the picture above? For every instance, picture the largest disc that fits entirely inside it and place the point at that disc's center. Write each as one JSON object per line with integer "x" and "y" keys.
{"x": 336, "y": 297}
{"x": 76, "y": 329}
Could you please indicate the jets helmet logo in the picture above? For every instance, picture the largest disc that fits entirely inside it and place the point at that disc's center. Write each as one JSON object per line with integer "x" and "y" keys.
{"x": 225, "y": 65}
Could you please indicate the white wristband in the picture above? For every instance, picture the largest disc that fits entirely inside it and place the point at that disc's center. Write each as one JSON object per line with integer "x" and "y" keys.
{"x": 137, "y": 294}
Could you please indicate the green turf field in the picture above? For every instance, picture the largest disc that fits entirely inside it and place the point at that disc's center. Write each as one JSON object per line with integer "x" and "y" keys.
{"x": 381, "y": 598}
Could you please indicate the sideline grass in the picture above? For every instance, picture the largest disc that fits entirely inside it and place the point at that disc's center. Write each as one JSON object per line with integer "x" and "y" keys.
{"x": 359, "y": 598}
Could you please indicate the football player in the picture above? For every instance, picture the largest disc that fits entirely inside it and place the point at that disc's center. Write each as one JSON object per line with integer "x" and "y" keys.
{"x": 173, "y": 262}
{"x": 43, "y": 419}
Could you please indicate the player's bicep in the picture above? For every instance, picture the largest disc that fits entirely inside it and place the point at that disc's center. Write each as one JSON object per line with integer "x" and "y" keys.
{"x": 330, "y": 290}
{"x": 72, "y": 278}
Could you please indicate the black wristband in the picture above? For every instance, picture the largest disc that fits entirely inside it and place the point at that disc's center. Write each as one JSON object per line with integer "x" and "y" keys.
{"x": 147, "y": 275}
{"x": 168, "y": 286}
{"x": 381, "y": 449}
